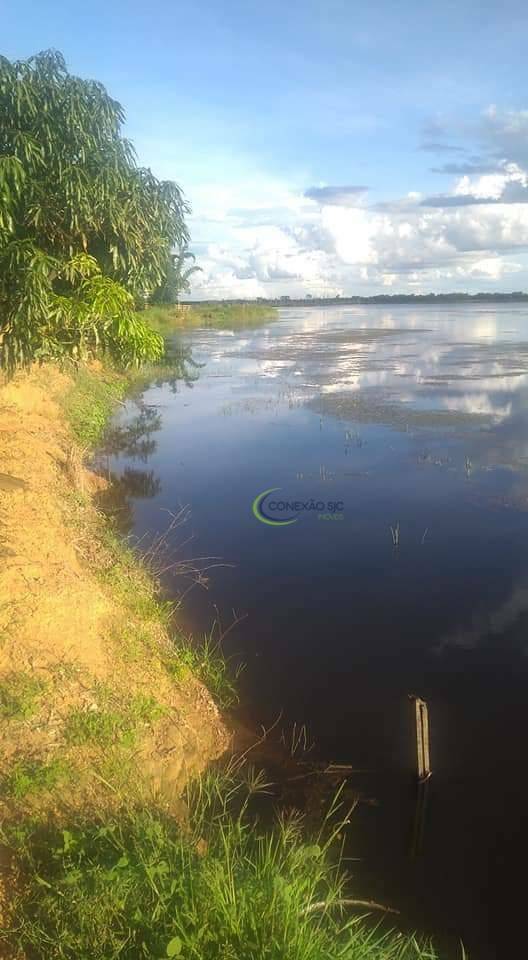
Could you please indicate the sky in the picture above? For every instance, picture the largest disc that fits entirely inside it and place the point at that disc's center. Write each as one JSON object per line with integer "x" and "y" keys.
{"x": 325, "y": 146}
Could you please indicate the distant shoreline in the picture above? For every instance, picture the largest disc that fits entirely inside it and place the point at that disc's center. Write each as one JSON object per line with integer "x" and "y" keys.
{"x": 383, "y": 299}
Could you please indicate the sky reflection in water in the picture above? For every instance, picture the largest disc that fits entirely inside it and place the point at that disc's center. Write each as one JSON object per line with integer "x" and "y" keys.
{"x": 411, "y": 417}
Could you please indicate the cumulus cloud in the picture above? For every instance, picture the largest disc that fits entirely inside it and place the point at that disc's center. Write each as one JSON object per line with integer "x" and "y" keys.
{"x": 346, "y": 196}
{"x": 507, "y": 185}
{"x": 344, "y": 250}
{"x": 262, "y": 236}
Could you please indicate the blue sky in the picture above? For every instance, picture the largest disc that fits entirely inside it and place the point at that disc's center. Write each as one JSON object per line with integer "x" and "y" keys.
{"x": 260, "y": 111}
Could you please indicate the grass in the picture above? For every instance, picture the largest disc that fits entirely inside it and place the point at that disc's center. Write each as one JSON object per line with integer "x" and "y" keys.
{"x": 136, "y": 885}
{"x": 112, "y": 721}
{"x": 205, "y": 659}
{"x": 225, "y": 316}
{"x": 133, "y": 642}
{"x": 130, "y": 581}
{"x": 133, "y": 584}
{"x": 30, "y": 777}
{"x": 90, "y": 402}
{"x": 95, "y": 392}
{"x": 20, "y": 694}
{"x": 104, "y": 727}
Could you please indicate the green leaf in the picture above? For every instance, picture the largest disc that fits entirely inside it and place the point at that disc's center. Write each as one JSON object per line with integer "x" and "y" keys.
{"x": 68, "y": 840}
{"x": 174, "y": 947}
{"x": 313, "y": 850}
{"x": 43, "y": 883}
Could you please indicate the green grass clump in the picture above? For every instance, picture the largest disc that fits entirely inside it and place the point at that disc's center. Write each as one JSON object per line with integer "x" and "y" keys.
{"x": 115, "y": 722}
{"x": 145, "y": 710}
{"x": 135, "y": 885}
{"x": 19, "y": 695}
{"x": 134, "y": 642}
{"x": 103, "y": 727}
{"x": 130, "y": 582}
{"x": 95, "y": 392}
{"x": 205, "y": 660}
{"x": 90, "y": 402}
{"x": 133, "y": 584}
{"x": 29, "y": 777}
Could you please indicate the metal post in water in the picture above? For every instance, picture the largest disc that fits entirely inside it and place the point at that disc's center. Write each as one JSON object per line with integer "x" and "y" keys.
{"x": 424, "y": 773}
{"x": 422, "y": 739}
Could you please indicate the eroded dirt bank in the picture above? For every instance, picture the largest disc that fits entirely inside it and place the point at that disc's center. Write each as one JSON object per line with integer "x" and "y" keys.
{"x": 93, "y": 702}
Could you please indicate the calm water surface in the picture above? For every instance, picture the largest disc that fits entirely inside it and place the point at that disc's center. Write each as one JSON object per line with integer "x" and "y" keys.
{"x": 416, "y": 419}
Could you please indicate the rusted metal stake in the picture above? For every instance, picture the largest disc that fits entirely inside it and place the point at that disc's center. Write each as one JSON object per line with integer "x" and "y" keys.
{"x": 422, "y": 739}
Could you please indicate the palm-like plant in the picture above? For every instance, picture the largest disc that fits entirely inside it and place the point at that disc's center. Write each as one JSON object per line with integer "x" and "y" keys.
{"x": 177, "y": 277}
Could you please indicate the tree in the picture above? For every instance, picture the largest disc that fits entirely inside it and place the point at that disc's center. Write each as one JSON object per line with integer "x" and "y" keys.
{"x": 177, "y": 277}
{"x": 84, "y": 231}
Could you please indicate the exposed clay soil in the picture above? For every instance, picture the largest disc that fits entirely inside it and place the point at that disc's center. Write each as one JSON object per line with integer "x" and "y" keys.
{"x": 63, "y": 623}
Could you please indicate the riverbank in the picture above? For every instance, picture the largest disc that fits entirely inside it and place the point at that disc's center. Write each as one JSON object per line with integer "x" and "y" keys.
{"x": 91, "y": 678}
{"x": 111, "y": 846}
{"x": 224, "y": 316}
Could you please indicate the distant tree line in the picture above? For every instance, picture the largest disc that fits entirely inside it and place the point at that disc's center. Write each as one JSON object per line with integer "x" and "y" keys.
{"x": 387, "y": 298}
{"x": 86, "y": 235}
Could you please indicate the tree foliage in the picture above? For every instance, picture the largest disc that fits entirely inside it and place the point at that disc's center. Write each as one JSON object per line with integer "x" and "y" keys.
{"x": 84, "y": 231}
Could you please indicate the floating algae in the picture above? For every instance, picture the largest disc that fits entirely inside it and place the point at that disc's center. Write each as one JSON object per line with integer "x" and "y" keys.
{"x": 364, "y": 407}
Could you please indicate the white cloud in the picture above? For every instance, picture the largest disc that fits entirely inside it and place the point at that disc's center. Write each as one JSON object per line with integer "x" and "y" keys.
{"x": 260, "y": 236}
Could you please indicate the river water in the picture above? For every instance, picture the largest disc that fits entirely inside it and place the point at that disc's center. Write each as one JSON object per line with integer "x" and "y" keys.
{"x": 397, "y": 440}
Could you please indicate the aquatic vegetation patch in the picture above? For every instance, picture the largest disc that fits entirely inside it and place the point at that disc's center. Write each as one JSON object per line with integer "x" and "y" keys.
{"x": 364, "y": 406}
